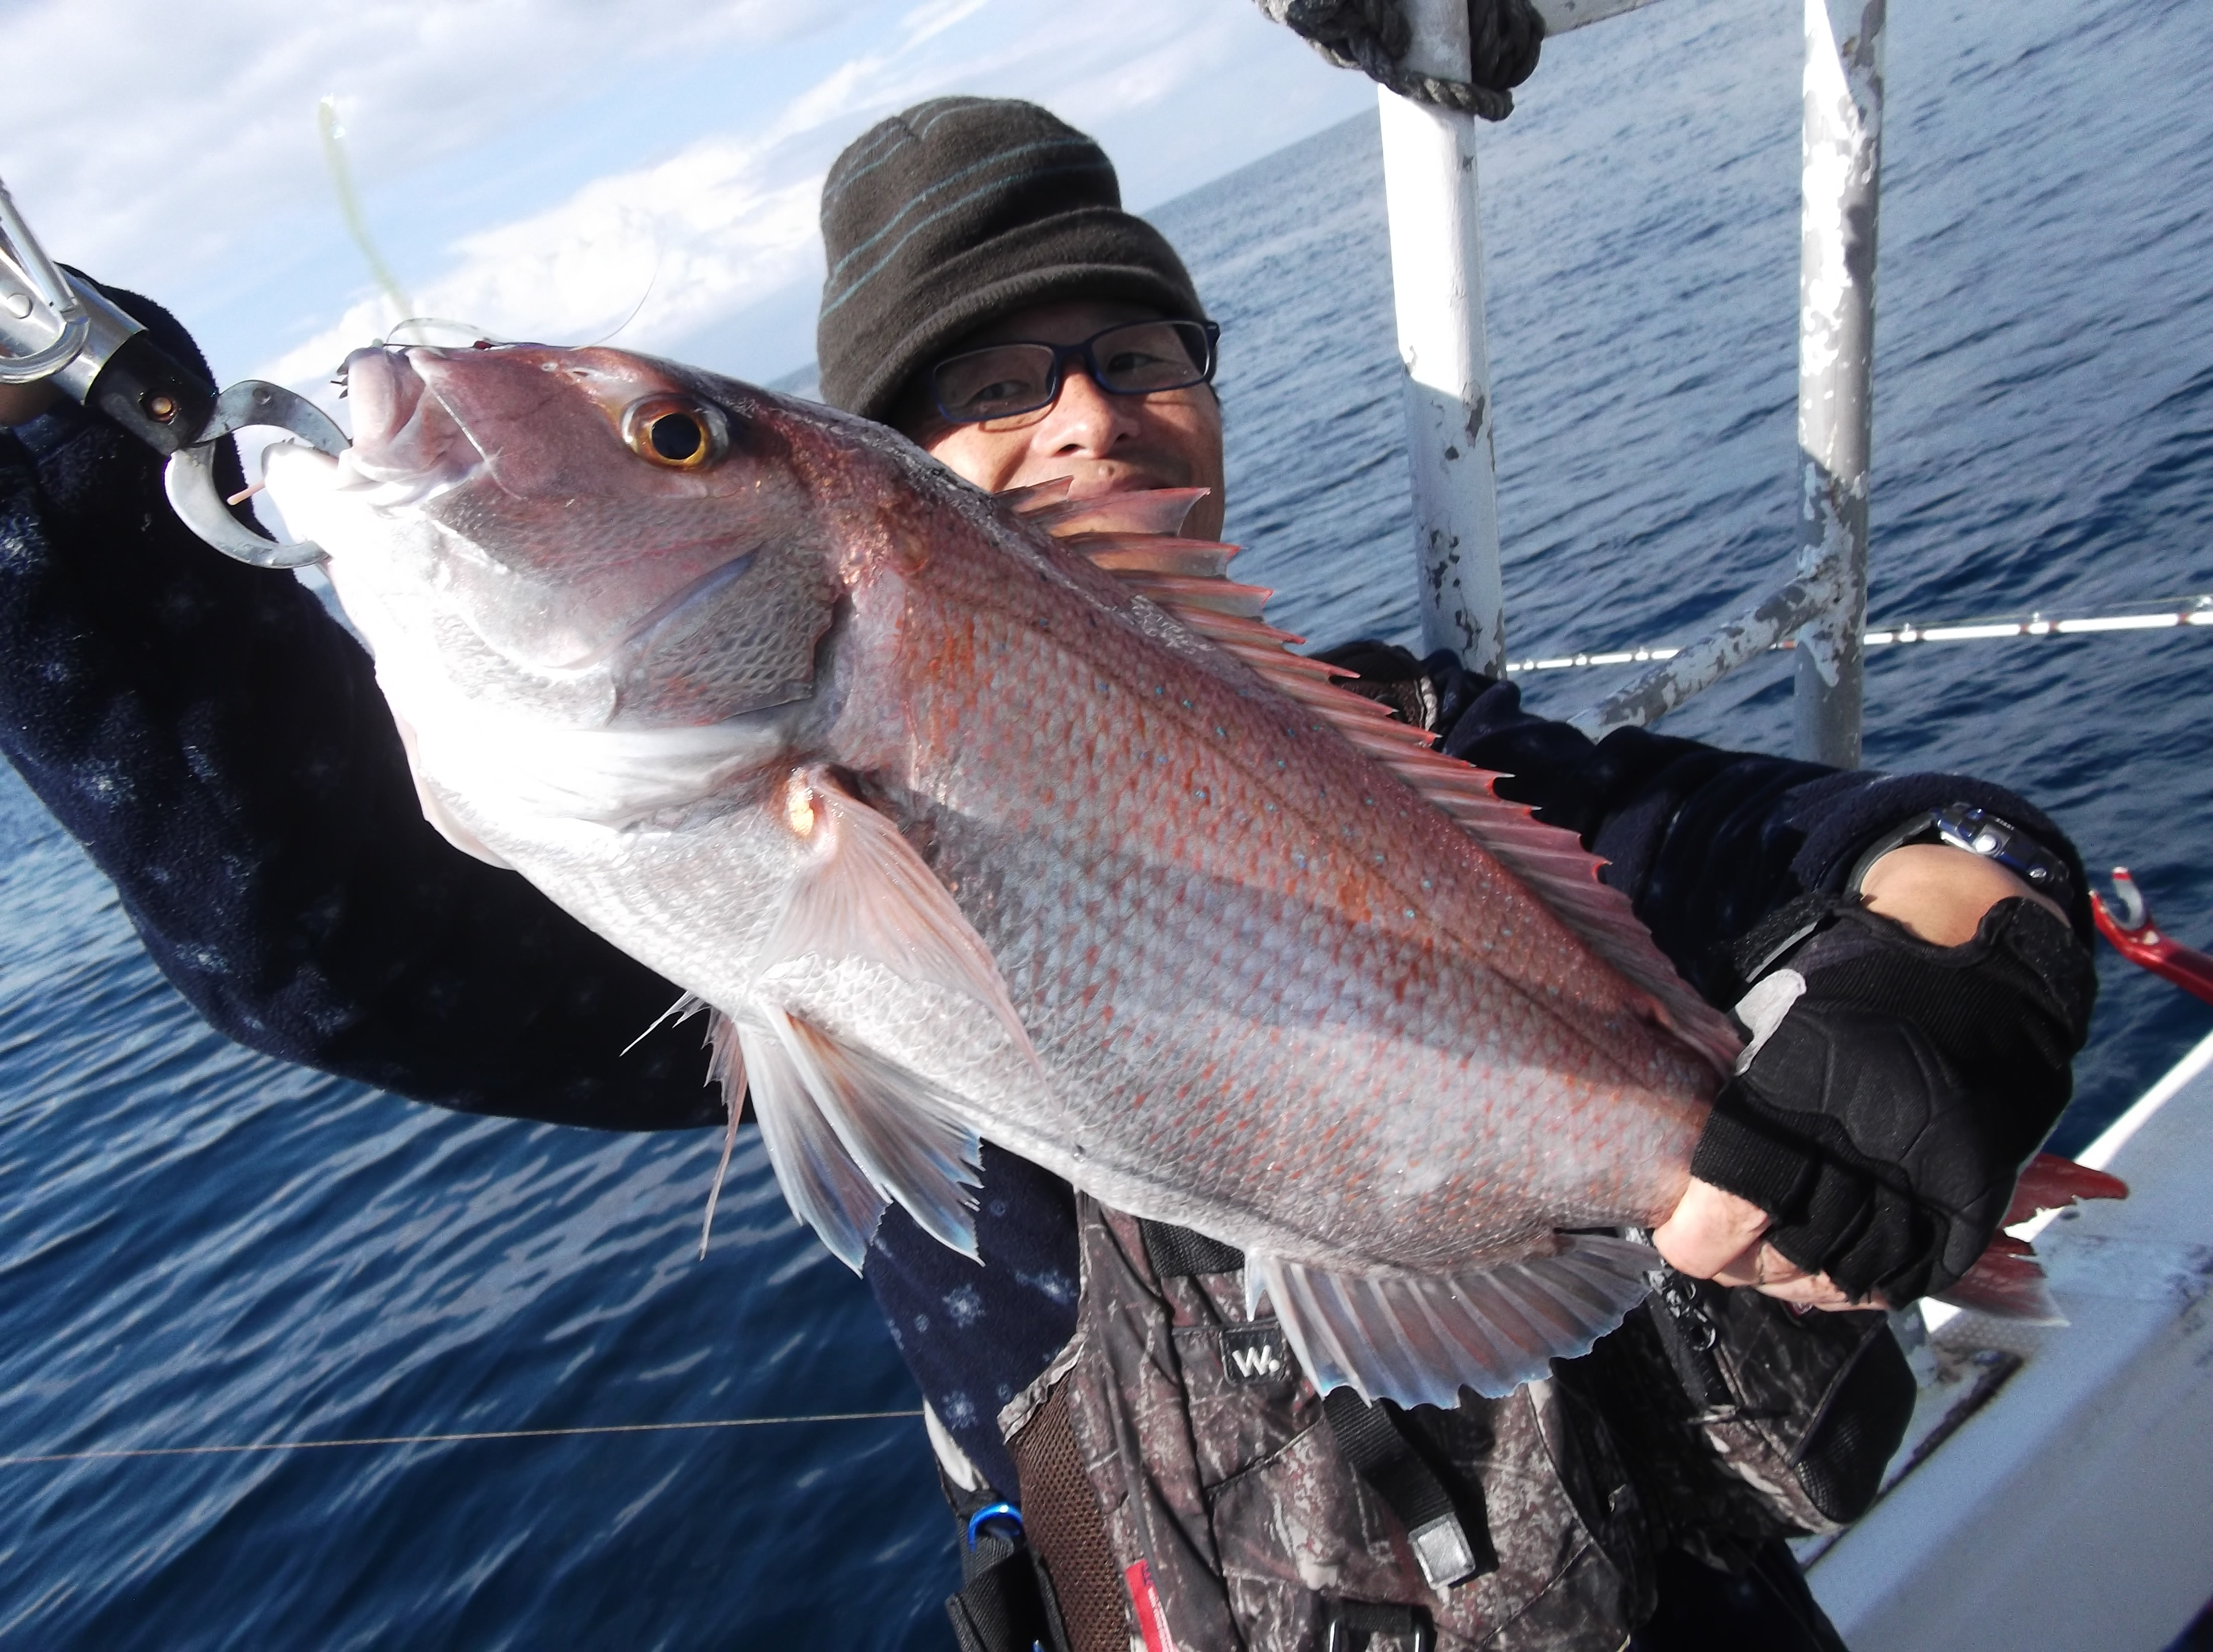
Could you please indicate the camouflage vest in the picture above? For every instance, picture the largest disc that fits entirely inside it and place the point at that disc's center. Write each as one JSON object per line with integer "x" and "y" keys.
{"x": 1184, "y": 1487}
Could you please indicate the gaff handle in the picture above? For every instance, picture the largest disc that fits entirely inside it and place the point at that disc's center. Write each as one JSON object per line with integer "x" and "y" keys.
{"x": 2138, "y": 938}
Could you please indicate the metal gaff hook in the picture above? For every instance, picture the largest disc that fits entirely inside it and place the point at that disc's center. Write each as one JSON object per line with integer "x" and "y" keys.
{"x": 189, "y": 477}
{"x": 2137, "y": 937}
{"x": 66, "y": 331}
{"x": 58, "y": 294}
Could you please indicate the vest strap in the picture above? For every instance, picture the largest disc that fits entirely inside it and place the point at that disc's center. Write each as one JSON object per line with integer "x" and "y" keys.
{"x": 1372, "y": 1440}
{"x": 1005, "y": 1603}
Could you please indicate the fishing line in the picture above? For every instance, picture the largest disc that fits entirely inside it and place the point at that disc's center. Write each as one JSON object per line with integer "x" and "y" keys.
{"x": 659, "y": 250}
{"x": 263, "y": 1446}
{"x": 326, "y": 122}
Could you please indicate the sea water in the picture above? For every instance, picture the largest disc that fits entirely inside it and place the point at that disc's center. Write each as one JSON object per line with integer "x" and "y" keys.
{"x": 199, "y": 1247}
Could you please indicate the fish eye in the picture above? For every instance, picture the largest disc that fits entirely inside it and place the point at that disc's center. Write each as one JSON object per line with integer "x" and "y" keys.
{"x": 676, "y": 432}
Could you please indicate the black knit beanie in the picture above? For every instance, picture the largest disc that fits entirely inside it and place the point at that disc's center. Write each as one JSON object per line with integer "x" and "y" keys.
{"x": 938, "y": 221}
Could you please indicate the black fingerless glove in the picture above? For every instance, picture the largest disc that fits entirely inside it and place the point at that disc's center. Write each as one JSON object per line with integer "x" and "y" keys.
{"x": 1882, "y": 1122}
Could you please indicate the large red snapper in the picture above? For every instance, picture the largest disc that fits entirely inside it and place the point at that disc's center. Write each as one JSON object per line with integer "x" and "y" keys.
{"x": 1006, "y": 817}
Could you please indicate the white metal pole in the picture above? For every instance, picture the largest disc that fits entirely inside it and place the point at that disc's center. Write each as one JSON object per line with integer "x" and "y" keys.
{"x": 1843, "y": 156}
{"x": 1436, "y": 271}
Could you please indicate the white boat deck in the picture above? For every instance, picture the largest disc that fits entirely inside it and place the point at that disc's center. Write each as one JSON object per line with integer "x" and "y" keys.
{"x": 2056, "y": 1488}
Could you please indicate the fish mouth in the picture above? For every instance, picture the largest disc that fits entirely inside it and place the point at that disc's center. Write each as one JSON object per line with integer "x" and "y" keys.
{"x": 407, "y": 445}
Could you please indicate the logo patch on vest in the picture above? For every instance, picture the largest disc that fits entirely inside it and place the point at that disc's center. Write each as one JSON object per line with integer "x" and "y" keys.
{"x": 1256, "y": 1353}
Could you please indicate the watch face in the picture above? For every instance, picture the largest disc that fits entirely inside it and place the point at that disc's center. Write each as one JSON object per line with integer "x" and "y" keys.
{"x": 1981, "y": 832}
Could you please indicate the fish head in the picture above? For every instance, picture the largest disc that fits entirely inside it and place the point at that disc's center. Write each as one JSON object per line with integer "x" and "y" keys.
{"x": 605, "y": 538}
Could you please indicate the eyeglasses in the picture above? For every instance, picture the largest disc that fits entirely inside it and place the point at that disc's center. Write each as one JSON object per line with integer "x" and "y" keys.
{"x": 1133, "y": 359}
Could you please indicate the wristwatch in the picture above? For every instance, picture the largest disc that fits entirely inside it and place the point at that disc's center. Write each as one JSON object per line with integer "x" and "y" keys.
{"x": 1979, "y": 832}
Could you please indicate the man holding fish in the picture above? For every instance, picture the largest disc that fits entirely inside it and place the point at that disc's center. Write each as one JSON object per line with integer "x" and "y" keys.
{"x": 1247, "y": 1120}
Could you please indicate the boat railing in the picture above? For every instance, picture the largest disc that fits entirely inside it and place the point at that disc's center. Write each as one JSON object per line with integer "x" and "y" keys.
{"x": 1436, "y": 262}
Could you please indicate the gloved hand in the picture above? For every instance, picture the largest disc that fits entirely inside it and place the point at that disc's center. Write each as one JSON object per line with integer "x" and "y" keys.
{"x": 1895, "y": 1087}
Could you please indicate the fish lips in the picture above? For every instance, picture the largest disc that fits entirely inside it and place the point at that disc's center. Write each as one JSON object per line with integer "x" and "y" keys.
{"x": 402, "y": 434}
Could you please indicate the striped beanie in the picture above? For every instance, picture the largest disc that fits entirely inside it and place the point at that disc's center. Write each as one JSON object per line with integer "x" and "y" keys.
{"x": 939, "y": 221}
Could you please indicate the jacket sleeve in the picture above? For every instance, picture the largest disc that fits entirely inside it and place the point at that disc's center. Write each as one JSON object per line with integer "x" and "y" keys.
{"x": 217, "y": 743}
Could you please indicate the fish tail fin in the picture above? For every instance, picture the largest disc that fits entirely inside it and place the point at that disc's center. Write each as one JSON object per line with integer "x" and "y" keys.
{"x": 1420, "y": 1339}
{"x": 2006, "y": 1283}
{"x": 2051, "y": 1183}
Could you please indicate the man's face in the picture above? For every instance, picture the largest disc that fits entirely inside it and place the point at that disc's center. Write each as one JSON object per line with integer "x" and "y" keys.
{"x": 1104, "y": 443}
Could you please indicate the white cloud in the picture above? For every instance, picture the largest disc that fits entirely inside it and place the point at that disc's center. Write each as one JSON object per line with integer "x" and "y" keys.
{"x": 530, "y": 166}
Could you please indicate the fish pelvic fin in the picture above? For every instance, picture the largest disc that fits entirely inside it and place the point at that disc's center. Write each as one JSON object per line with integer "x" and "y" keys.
{"x": 726, "y": 1068}
{"x": 1418, "y": 1340}
{"x": 1132, "y": 537}
{"x": 825, "y": 1187}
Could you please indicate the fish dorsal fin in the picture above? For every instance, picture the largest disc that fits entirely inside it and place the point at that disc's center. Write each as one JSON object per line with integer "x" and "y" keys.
{"x": 1419, "y": 1339}
{"x": 1028, "y": 501}
{"x": 1185, "y": 577}
{"x": 1152, "y": 510}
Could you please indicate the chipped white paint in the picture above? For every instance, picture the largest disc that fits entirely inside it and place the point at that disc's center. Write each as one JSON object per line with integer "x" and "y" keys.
{"x": 1842, "y": 151}
{"x": 1436, "y": 270}
{"x": 1561, "y": 15}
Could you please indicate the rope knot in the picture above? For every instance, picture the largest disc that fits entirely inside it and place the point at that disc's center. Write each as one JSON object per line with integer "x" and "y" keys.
{"x": 1372, "y": 36}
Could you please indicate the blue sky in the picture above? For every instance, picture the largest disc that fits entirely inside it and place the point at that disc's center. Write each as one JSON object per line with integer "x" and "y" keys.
{"x": 536, "y": 168}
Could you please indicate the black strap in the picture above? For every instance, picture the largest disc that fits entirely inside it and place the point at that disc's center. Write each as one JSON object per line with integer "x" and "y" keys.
{"x": 1449, "y": 1548}
{"x": 1005, "y": 1604}
{"x": 1176, "y": 1252}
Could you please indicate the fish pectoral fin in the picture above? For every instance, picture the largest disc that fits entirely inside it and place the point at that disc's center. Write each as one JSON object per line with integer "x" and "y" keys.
{"x": 867, "y": 897}
{"x": 825, "y": 1187}
{"x": 1419, "y": 1339}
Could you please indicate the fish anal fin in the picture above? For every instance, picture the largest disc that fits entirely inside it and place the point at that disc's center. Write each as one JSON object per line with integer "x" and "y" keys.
{"x": 1419, "y": 1339}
